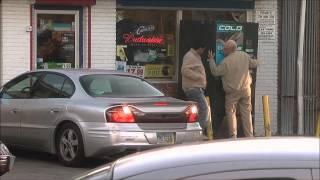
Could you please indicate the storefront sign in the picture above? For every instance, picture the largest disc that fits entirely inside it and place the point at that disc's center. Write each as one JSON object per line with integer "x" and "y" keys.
{"x": 227, "y": 31}
{"x": 229, "y": 28}
{"x": 205, "y": 4}
{"x": 146, "y": 46}
{"x": 131, "y": 39}
{"x": 267, "y": 24}
{"x": 145, "y": 29}
{"x": 158, "y": 71}
{"x": 67, "y": 2}
{"x": 136, "y": 70}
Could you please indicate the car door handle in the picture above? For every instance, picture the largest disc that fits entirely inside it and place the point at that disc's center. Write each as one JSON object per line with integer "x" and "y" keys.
{"x": 15, "y": 111}
{"x": 55, "y": 110}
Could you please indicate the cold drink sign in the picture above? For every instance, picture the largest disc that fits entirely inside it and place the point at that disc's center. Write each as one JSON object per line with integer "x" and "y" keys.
{"x": 229, "y": 28}
{"x": 224, "y": 32}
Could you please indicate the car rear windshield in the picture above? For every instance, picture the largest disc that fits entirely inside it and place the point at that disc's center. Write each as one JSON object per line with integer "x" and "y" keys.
{"x": 108, "y": 85}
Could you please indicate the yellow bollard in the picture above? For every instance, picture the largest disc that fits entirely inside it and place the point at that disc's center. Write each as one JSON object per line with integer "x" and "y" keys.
{"x": 266, "y": 115}
{"x": 209, "y": 125}
{"x": 318, "y": 126}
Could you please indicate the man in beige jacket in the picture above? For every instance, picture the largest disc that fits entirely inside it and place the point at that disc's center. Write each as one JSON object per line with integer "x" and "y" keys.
{"x": 194, "y": 81}
{"x": 236, "y": 80}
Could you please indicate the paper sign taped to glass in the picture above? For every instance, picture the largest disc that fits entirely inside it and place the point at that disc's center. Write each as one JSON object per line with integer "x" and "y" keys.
{"x": 158, "y": 71}
{"x": 121, "y": 53}
{"x": 121, "y": 66}
{"x": 136, "y": 70}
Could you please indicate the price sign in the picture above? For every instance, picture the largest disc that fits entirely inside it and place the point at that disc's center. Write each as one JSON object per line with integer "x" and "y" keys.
{"x": 136, "y": 70}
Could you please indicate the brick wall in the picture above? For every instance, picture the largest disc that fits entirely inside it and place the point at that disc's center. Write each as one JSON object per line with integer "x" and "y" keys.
{"x": 15, "y": 52}
{"x": 104, "y": 34}
{"x": 267, "y": 73}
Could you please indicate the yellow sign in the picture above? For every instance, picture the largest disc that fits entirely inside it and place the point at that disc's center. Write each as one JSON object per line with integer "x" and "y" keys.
{"x": 158, "y": 71}
{"x": 121, "y": 52}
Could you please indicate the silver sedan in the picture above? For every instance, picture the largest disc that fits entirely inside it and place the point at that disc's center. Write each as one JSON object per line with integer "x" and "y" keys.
{"x": 280, "y": 158}
{"x": 86, "y": 113}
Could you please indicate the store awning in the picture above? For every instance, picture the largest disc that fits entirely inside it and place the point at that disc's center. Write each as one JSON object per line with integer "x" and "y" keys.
{"x": 67, "y": 2}
{"x": 180, "y": 4}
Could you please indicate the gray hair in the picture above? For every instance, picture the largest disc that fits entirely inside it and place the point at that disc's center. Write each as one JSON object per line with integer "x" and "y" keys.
{"x": 231, "y": 44}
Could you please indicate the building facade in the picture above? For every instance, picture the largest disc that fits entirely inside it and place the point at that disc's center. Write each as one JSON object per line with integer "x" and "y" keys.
{"x": 104, "y": 34}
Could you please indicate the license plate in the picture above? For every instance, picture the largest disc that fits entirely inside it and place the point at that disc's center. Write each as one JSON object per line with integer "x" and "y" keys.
{"x": 165, "y": 138}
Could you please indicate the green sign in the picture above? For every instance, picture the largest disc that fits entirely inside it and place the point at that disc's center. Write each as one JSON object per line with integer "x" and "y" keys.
{"x": 57, "y": 65}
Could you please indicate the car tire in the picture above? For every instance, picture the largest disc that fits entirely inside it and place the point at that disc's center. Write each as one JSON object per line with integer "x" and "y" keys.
{"x": 69, "y": 145}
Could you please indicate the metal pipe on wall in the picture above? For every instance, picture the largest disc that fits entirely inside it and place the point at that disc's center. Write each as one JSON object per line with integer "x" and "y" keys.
{"x": 300, "y": 68}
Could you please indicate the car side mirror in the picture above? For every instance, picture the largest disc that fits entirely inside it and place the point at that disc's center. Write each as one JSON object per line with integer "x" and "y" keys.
{"x": 6, "y": 159}
{"x": 4, "y": 164}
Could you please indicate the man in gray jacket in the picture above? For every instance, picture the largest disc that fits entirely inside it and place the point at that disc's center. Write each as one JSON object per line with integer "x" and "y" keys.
{"x": 236, "y": 81}
{"x": 194, "y": 81}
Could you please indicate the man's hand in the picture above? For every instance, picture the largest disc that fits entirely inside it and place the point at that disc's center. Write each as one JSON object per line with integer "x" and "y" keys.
{"x": 210, "y": 55}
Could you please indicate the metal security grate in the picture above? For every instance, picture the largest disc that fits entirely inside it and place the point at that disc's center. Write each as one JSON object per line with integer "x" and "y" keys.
{"x": 290, "y": 33}
{"x": 311, "y": 74}
{"x": 289, "y": 42}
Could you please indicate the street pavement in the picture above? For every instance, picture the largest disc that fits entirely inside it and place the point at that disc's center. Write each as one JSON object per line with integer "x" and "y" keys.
{"x": 30, "y": 165}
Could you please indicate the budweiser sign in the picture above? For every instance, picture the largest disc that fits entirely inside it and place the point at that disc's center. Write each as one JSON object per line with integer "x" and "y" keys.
{"x": 131, "y": 38}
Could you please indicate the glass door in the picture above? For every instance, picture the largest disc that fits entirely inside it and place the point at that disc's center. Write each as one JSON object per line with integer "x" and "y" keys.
{"x": 57, "y": 39}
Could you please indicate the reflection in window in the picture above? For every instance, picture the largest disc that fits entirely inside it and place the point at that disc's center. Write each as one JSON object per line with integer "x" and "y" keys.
{"x": 67, "y": 89}
{"x": 49, "y": 87}
{"x": 117, "y": 86}
{"x": 55, "y": 41}
{"x": 19, "y": 88}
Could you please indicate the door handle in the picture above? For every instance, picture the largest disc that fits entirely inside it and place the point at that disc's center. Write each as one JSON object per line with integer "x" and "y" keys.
{"x": 15, "y": 111}
{"x": 55, "y": 110}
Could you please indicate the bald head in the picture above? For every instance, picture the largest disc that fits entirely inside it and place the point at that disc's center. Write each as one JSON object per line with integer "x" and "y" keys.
{"x": 229, "y": 47}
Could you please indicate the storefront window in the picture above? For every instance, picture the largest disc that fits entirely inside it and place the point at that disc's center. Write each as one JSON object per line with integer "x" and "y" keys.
{"x": 56, "y": 41}
{"x": 146, "y": 41}
{"x": 229, "y": 26}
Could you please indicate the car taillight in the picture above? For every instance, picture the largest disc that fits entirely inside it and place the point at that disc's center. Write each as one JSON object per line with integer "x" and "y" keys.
{"x": 160, "y": 104}
{"x": 120, "y": 114}
{"x": 192, "y": 114}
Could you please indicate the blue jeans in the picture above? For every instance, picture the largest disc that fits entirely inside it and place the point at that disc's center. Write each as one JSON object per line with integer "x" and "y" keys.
{"x": 197, "y": 95}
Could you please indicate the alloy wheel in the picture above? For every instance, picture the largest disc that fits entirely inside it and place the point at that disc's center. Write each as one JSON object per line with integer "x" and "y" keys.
{"x": 69, "y": 145}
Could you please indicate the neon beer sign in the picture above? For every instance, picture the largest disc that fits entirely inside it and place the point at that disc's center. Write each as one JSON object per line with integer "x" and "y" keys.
{"x": 145, "y": 29}
{"x": 131, "y": 39}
